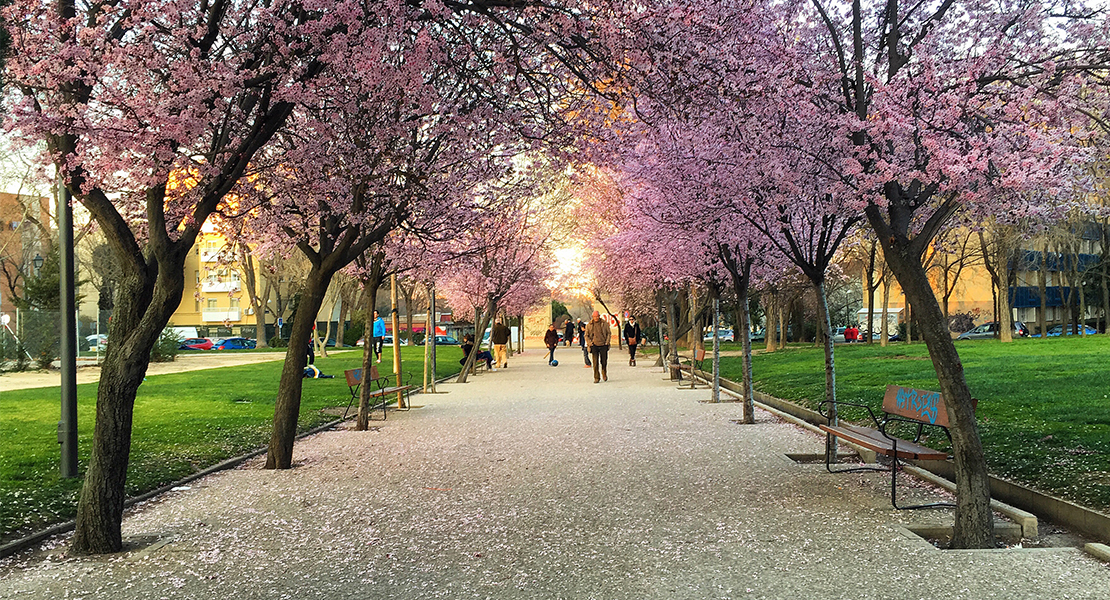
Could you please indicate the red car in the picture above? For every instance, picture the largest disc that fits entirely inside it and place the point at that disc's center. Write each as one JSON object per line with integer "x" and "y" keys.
{"x": 196, "y": 344}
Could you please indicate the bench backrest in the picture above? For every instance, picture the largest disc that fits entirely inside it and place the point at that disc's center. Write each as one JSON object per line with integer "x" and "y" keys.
{"x": 354, "y": 376}
{"x": 699, "y": 354}
{"x": 918, "y": 405}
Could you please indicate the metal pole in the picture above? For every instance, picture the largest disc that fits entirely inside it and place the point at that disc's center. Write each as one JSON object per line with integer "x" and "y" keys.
{"x": 67, "y": 427}
{"x": 432, "y": 317}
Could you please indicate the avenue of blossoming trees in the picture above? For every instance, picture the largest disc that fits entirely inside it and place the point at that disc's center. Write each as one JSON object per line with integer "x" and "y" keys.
{"x": 752, "y": 136}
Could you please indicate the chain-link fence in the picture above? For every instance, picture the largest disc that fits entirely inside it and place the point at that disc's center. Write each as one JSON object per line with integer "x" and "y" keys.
{"x": 31, "y": 339}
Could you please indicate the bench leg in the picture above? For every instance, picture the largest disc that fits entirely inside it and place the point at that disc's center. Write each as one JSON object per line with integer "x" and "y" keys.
{"x": 354, "y": 396}
{"x": 829, "y": 445}
{"x": 894, "y": 488}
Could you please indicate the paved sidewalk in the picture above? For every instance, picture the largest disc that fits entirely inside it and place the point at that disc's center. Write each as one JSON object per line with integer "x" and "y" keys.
{"x": 533, "y": 482}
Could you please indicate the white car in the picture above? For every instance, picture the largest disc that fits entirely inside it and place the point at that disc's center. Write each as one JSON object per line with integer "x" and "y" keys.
{"x": 726, "y": 335}
{"x": 97, "y": 340}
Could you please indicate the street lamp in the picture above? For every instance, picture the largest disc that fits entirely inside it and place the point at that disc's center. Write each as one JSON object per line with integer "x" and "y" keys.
{"x": 37, "y": 261}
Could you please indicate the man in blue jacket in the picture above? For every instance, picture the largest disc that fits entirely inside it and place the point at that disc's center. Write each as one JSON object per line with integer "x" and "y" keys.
{"x": 379, "y": 335}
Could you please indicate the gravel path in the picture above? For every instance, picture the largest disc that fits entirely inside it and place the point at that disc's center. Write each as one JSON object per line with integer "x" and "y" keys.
{"x": 533, "y": 482}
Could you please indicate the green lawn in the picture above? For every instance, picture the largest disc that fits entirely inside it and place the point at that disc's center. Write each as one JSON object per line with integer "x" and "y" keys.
{"x": 184, "y": 422}
{"x": 1044, "y": 405}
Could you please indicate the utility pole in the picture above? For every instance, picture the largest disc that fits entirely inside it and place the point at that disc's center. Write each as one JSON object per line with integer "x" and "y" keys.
{"x": 67, "y": 427}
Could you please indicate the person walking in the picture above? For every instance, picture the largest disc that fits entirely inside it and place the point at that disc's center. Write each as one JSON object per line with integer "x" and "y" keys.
{"x": 551, "y": 340}
{"x": 379, "y": 335}
{"x": 500, "y": 338}
{"x": 568, "y": 332}
{"x": 597, "y": 338}
{"x": 581, "y": 327}
{"x": 633, "y": 336}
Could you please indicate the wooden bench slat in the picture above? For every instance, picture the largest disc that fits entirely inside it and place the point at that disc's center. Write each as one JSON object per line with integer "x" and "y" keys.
{"x": 874, "y": 440}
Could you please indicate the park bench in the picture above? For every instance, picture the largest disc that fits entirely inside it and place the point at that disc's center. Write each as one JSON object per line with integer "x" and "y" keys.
{"x": 382, "y": 389}
{"x": 696, "y": 364}
{"x": 916, "y": 408}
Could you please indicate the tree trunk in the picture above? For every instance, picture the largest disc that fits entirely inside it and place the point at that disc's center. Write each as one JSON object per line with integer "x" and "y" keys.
{"x": 256, "y": 302}
{"x": 770, "y": 330}
{"x": 340, "y": 337}
{"x": 373, "y": 283}
{"x": 1104, "y": 281}
{"x": 872, "y": 285}
{"x": 672, "y": 327}
{"x": 143, "y": 308}
{"x": 481, "y": 321}
{"x": 884, "y": 327}
{"x": 908, "y": 310}
{"x": 287, "y": 406}
{"x": 974, "y": 525}
{"x": 746, "y": 387}
{"x": 1042, "y": 284}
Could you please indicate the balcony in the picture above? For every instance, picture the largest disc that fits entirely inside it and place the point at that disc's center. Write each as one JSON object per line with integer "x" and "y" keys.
{"x": 210, "y": 255}
{"x": 217, "y": 285}
{"x": 219, "y": 316}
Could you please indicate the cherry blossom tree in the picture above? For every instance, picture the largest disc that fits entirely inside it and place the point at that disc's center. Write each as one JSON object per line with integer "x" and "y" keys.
{"x": 151, "y": 111}
{"x": 976, "y": 107}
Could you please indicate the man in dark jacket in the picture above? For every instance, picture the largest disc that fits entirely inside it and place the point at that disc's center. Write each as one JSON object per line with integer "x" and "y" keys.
{"x": 551, "y": 340}
{"x": 568, "y": 332}
{"x": 500, "y": 338}
{"x": 633, "y": 336}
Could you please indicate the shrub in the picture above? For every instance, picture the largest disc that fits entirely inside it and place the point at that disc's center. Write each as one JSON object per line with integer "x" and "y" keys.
{"x": 961, "y": 321}
{"x": 278, "y": 342}
{"x": 167, "y": 346}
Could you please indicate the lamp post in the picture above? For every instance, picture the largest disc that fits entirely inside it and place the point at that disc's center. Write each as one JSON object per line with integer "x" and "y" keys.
{"x": 37, "y": 262}
{"x": 67, "y": 426}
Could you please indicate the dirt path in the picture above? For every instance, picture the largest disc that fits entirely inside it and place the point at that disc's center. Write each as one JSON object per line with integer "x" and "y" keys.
{"x": 185, "y": 362}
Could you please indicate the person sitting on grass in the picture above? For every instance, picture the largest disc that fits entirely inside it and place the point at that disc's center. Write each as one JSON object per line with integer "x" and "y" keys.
{"x": 468, "y": 347}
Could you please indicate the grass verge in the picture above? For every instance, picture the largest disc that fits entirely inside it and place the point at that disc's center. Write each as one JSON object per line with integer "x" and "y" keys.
{"x": 183, "y": 423}
{"x": 1044, "y": 405}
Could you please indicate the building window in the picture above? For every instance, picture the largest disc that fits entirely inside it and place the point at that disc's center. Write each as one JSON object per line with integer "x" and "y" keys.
{"x": 197, "y": 275}
{"x": 196, "y": 305}
{"x": 234, "y": 303}
{"x": 211, "y": 304}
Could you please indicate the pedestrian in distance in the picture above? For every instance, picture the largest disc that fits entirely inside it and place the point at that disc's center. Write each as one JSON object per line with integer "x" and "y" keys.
{"x": 597, "y": 338}
{"x": 500, "y": 338}
{"x": 379, "y": 335}
{"x": 581, "y": 327}
{"x": 551, "y": 340}
{"x": 632, "y": 335}
{"x": 568, "y": 332}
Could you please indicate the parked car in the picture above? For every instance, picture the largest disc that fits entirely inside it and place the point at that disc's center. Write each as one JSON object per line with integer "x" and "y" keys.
{"x": 838, "y": 335}
{"x": 196, "y": 344}
{"x": 725, "y": 335}
{"x": 234, "y": 343}
{"x": 990, "y": 329}
{"x": 446, "y": 340}
{"x": 362, "y": 341}
{"x": 97, "y": 340}
{"x": 759, "y": 335}
{"x": 1058, "y": 330}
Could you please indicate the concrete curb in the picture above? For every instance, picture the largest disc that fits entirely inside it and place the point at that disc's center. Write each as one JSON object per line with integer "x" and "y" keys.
{"x": 1099, "y": 551}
